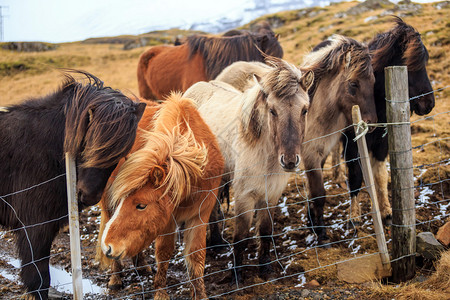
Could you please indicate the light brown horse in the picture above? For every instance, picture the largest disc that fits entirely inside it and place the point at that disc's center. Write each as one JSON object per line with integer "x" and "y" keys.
{"x": 260, "y": 133}
{"x": 171, "y": 177}
{"x": 343, "y": 77}
{"x": 163, "y": 69}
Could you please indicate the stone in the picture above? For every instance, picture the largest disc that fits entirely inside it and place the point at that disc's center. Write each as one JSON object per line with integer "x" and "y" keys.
{"x": 363, "y": 269}
{"x": 305, "y": 293}
{"x": 443, "y": 234}
{"x": 312, "y": 284}
{"x": 428, "y": 246}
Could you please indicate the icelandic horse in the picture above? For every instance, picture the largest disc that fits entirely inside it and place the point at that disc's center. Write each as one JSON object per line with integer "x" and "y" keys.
{"x": 260, "y": 133}
{"x": 165, "y": 68}
{"x": 96, "y": 125}
{"x": 400, "y": 46}
{"x": 171, "y": 177}
{"x": 343, "y": 77}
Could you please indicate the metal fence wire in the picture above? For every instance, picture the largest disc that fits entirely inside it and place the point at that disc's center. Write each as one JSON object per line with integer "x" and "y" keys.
{"x": 296, "y": 255}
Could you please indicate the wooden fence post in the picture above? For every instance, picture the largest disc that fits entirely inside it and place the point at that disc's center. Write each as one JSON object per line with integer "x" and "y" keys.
{"x": 370, "y": 184}
{"x": 402, "y": 180}
{"x": 74, "y": 228}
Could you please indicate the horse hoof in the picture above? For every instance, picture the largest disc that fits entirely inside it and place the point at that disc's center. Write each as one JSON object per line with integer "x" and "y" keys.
{"x": 115, "y": 286}
{"x": 265, "y": 271}
{"x": 387, "y": 221}
{"x": 325, "y": 242}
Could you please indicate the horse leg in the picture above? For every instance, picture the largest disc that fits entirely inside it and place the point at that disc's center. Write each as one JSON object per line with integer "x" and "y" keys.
{"x": 216, "y": 240}
{"x": 164, "y": 247}
{"x": 381, "y": 183}
{"x": 265, "y": 221}
{"x": 141, "y": 265}
{"x": 195, "y": 252}
{"x": 115, "y": 281}
{"x": 338, "y": 175}
{"x": 244, "y": 214}
{"x": 35, "y": 261}
{"x": 317, "y": 194}
{"x": 355, "y": 178}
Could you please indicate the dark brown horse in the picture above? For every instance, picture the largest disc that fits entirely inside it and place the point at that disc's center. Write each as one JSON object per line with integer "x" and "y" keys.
{"x": 96, "y": 125}
{"x": 163, "y": 69}
{"x": 400, "y": 46}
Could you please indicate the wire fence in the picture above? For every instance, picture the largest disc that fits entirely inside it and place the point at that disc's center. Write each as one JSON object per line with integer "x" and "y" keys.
{"x": 296, "y": 255}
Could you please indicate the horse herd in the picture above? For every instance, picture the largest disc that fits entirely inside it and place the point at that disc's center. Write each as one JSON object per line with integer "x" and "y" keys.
{"x": 245, "y": 118}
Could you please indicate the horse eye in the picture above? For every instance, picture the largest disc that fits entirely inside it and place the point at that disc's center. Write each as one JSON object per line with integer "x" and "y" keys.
{"x": 141, "y": 206}
{"x": 304, "y": 112}
{"x": 273, "y": 112}
{"x": 353, "y": 84}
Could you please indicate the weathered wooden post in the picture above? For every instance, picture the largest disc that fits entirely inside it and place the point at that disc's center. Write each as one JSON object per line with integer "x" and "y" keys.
{"x": 370, "y": 184}
{"x": 74, "y": 228}
{"x": 402, "y": 180}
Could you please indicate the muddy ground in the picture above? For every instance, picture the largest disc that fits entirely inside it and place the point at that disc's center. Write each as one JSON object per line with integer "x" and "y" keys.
{"x": 300, "y": 261}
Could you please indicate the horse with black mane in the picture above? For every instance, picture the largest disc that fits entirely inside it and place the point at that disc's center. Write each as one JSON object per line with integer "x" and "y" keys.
{"x": 164, "y": 68}
{"x": 96, "y": 125}
{"x": 400, "y": 46}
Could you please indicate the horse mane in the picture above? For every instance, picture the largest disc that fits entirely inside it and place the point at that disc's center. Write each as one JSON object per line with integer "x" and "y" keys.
{"x": 336, "y": 52}
{"x": 170, "y": 145}
{"x": 402, "y": 41}
{"x": 220, "y": 52}
{"x": 282, "y": 79}
{"x": 89, "y": 107}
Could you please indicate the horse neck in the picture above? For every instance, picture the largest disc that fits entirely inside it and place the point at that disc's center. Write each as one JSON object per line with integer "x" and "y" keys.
{"x": 324, "y": 118}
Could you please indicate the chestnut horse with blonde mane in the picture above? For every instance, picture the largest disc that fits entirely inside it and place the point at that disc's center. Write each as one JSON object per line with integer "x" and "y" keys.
{"x": 170, "y": 177}
{"x": 166, "y": 68}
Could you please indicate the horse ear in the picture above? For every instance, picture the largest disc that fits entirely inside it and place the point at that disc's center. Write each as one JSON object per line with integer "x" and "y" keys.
{"x": 348, "y": 59}
{"x": 263, "y": 42}
{"x": 257, "y": 80}
{"x": 140, "y": 110}
{"x": 157, "y": 175}
{"x": 307, "y": 80}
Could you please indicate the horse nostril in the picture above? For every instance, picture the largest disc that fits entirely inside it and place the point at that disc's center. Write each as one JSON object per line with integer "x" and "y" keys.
{"x": 108, "y": 252}
{"x": 297, "y": 160}
{"x": 282, "y": 161}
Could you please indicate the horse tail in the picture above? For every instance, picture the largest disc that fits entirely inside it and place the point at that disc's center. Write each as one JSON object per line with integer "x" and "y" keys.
{"x": 99, "y": 255}
{"x": 144, "y": 90}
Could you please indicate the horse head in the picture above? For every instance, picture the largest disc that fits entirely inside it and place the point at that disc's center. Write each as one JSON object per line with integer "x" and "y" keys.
{"x": 342, "y": 67}
{"x": 149, "y": 186}
{"x": 402, "y": 46}
{"x": 100, "y": 129}
{"x": 280, "y": 108}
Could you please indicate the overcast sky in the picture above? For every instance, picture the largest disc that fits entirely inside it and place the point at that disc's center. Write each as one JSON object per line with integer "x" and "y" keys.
{"x": 62, "y": 20}
{"x": 65, "y": 21}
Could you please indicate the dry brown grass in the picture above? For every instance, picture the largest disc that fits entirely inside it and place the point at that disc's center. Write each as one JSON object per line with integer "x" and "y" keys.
{"x": 434, "y": 288}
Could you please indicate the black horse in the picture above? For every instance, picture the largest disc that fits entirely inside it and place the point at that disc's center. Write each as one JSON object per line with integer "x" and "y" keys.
{"x": 96, "y": 125}
{"x": 400, "y": 46}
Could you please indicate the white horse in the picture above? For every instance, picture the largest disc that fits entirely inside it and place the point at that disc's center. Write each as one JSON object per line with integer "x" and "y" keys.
{"x": 260, "y": 133}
